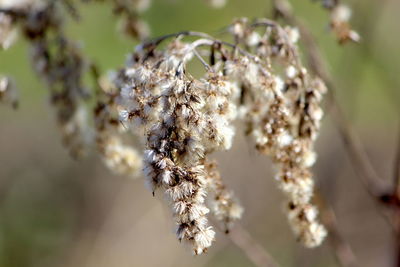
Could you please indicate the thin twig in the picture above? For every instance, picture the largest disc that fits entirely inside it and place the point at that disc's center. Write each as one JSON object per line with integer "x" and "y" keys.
{"x": 254, "y": 251}
{"x": 205, "y": 64}
{"x": 151, "y": 44}
{"x": 159, "y": 40}
{"x": 343, "y": 251}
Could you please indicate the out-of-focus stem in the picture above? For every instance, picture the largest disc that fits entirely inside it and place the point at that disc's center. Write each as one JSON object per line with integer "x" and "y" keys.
{"x": 254, "y": 251}
{"x": 343, "y": 252}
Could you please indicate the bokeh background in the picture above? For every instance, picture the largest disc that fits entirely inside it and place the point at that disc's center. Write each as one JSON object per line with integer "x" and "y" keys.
{"x": 55, "y": 211}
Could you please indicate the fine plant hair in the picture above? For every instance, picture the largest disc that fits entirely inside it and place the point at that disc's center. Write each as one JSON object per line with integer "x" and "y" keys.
{"x": 157, "y": 118}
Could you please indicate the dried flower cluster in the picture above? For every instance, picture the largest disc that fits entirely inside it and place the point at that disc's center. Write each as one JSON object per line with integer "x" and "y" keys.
{"x": 181, "y": 119}
{"x": 340, "y": 15}
{"x": 185, "y": 119}
{"x": 283, "y": 115}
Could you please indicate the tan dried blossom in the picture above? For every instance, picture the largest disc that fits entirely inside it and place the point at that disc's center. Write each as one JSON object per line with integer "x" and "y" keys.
{"x": 120, "y": 157}
{"x": 283, "y": 115}
{"x": 340, "y": 15}
{"x": 184, "y": 120}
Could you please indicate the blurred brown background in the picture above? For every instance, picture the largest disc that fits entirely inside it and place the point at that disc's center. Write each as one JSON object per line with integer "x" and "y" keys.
{"x": 55, "y": 211}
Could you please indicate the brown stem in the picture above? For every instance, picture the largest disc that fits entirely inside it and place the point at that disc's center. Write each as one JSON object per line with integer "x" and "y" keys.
{"x": 254, "y": 251}
{"x": 396, "y": 169}
{"x": 397, "y": 238}
{"x": 343, "y": 251}
{"x": 396, "y": 193}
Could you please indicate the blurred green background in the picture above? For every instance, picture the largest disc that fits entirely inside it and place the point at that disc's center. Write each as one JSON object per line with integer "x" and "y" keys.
{"x": 55, "y": 211}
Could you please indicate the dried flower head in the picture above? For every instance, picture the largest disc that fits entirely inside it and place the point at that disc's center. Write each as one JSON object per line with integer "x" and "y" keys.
{"x": 340, "y": 15}
{"x": 184, "y": 120}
